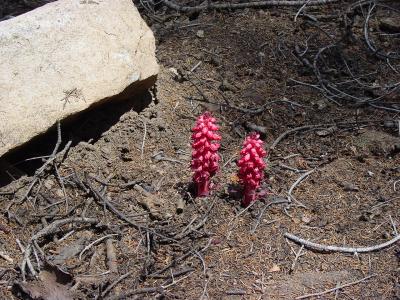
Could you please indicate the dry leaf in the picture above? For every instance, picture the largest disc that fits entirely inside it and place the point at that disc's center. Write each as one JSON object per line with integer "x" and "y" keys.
{"x": 234, "y": 179}
{"x": 53, "y": 284}
{"x": 275, "y": 268}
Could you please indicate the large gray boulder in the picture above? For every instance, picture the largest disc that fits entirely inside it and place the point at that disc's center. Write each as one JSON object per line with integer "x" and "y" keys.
{"x": 66, "y": 56}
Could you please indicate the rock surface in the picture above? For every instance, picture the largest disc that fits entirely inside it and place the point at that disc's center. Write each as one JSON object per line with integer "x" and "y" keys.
{"x": 65, "y": 57}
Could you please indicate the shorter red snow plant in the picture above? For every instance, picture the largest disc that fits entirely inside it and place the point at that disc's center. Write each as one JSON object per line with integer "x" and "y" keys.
{"x": 204, "y": 156}
{"x": 251, "y": 167}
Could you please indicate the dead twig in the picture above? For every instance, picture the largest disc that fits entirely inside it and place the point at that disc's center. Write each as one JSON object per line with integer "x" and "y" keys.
{"x": 94, "y": 243}
{"x": 6, "y": 257}
{"x": 296, "y": 183}
{"x": 49, "y": 161}
{"x": 171, "y": 278}
{"x": 48, "y": 230}
{"x": 262, "y": 108}
{"x": 190, "y": 229}
{"x": 181, "y": 258}
{"x": 296, "y": 258}
{"x": 111, "y": 256}
{"x": 149, "y": 290}
{"x": 286, "y": 133}
{"x": 112, "y": 285}
{"x": 275, "y": 200}
{"x": 256, "y": 4}
{"x": 173, "y": 274}
{"x": 327, "y": 248}
{"x": 300, "y": 10}
{"x": 338, "y": 287}
{"x": 314, "y": 127}
{"x": 144, "y": 139}
{"x": 103, "y": 199}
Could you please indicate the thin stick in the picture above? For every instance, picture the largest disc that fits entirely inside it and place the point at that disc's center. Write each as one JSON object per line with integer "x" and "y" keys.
{"x": 190, "y": 228}
{"x": 274, "y": 201}
{"x": 195, "y": 67}
{"x": 286, "y": 133}
{"x": 105, "y": 201}
{"x": 336, "y": 288}
{"x": 297, "y": 256}
{"x": 243, "y": 211}
{"x": 229, "y": 160}
{"x": 6, "y": 257}
{"x": 112, "y": 285}
{"x": 52, "y": 157}
{"x": 94, "y": 243}
{"x": 66, "y": 236}
{"x": 148, "y": 290}
{"x": 111, "y": 256}
{"x": 301, "y": 178}
{"x": 268, "y": 3}
{"x": 48, "y": 230}
{"x": 21, "y": 247}
{"x": 393, "y": 225}
{"x": 175, "y": 281}
{"x": 300, "y": 10}
{"x": 305, "y": 127}
{"x": 181, "y": 258}
{"x": 328, "y": 248}
{"x": 144, "y": 139}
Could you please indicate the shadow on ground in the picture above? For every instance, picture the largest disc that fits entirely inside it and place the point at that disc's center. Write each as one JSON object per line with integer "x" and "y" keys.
{"x": 87, "y": 126}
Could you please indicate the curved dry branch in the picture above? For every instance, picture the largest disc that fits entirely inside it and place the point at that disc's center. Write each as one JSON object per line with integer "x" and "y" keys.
{"x": 328, "y": 248}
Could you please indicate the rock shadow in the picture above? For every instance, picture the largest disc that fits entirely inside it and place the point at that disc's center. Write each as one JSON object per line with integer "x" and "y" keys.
{"x": 87, "y": 126}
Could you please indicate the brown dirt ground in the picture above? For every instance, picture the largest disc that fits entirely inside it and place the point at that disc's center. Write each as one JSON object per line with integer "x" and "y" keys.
{"x": 349, "y": 199}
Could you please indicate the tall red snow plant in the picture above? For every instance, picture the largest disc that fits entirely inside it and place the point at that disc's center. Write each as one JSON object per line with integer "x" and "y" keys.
{"x": 204, "y": 152}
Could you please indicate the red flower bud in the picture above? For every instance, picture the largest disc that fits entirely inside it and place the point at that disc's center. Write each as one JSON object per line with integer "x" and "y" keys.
{"x": 251, "y": 166}
{"x": 204, "y": 156}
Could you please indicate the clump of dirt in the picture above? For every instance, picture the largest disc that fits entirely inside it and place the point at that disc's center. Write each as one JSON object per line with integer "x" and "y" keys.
{"x": 377, "y": 143}
{"x": 118, "y": 194}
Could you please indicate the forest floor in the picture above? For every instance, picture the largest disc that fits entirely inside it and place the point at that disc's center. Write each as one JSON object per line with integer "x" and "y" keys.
{"x": 117, "y": 214}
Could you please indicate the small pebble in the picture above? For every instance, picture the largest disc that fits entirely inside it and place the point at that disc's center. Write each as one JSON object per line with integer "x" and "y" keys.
{"x": 200, "y": 33}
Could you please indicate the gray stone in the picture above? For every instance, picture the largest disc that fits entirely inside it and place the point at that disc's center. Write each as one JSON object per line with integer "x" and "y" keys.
{"x": 67, "y": 56}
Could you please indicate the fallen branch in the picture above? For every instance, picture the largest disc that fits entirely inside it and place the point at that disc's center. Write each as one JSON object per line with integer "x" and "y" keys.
{"x": 50, "y": 160}
{"x": 336, "y": 288}
{"x": 94, "y": 243}
{"x": 256, "y": 4}
{"x": 327, "y": 248}
{"x": 103, "y": 199}
{"x": 112, "y": 285}
{"x": 149, "y": 290}
{"x": 48, "y": 230}
{"x": 111, "y": 256}
{"x": 274, "y": 200}
{"x": 296, "y": 183}
{"x": 188, "y": 230}
{"x": 6, "y": 257}
{"x": 314, "y": 127}
{"x": 175, "y": 261}
{"x": 286, "y": 133}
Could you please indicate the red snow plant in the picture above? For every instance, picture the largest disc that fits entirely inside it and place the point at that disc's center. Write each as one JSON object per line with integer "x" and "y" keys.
{"x": 251, "y": 166}
{"x": 205, "y": 153}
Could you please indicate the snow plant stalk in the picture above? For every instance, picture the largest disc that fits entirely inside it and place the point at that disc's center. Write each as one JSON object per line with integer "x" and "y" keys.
{"x": 205, "y": 152}
{"x": 251, "y": 167}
